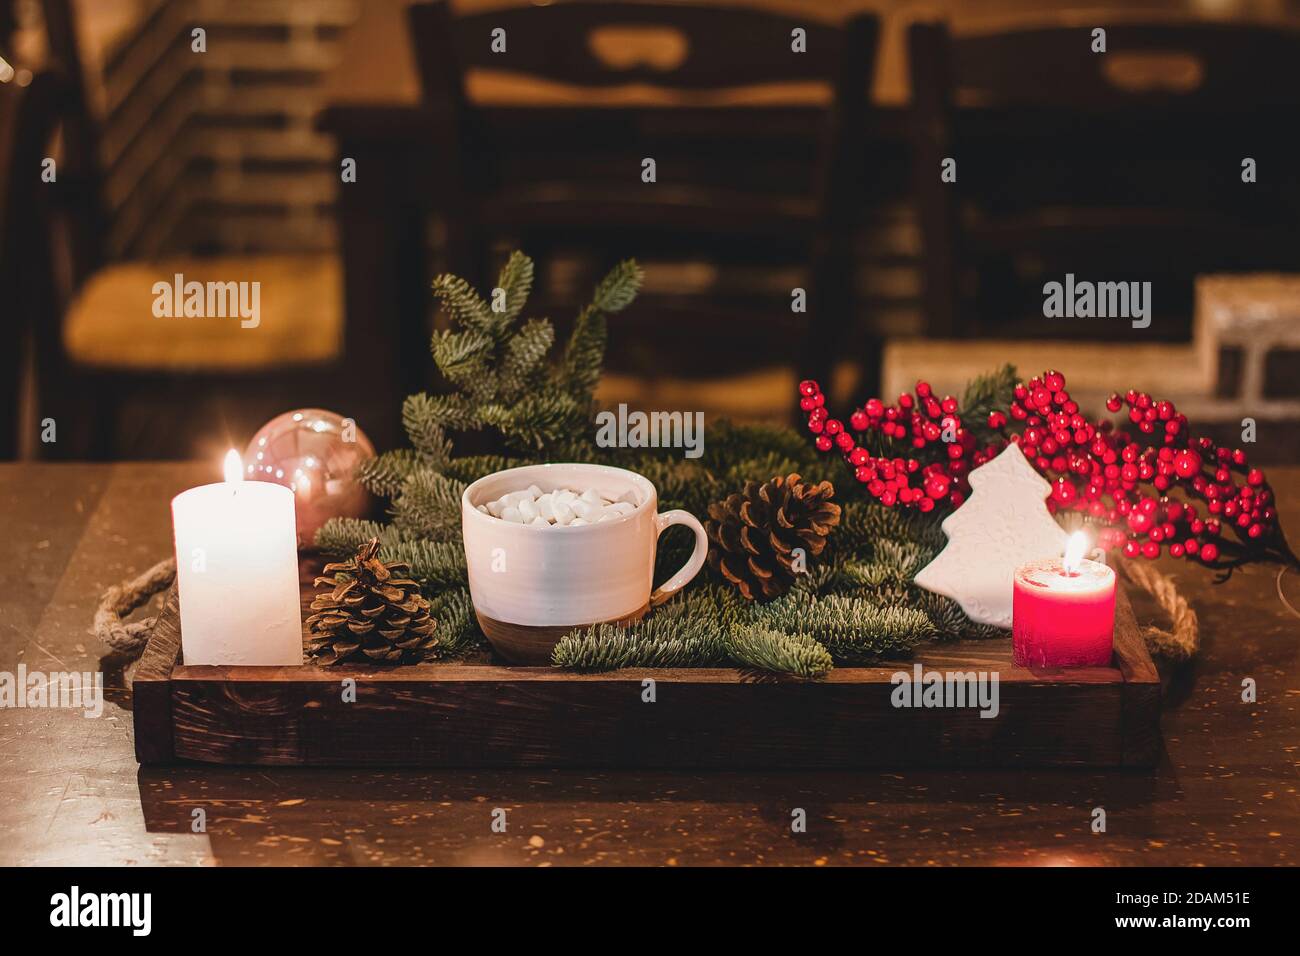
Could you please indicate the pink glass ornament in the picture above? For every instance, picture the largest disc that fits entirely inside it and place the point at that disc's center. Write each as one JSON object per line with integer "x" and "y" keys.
{"x": 314, "y": 453}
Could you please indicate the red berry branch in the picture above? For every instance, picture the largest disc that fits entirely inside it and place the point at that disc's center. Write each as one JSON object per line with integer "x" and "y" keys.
{"x": 1153, "y": 492}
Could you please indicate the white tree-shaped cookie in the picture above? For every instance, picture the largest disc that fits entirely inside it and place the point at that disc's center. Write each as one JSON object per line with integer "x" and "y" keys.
{"x": 1003, "y": 525}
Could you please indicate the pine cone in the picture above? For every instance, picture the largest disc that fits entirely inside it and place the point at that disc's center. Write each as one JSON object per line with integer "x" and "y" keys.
{"x": 753, "y": 533}
{"x": 373, "y": 613}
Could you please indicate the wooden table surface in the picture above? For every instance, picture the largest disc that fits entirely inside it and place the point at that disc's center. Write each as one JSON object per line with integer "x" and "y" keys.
{"x": 71, "y": 791}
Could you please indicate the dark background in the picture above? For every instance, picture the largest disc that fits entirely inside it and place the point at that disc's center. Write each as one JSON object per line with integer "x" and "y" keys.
{"x": 774, "y": 171}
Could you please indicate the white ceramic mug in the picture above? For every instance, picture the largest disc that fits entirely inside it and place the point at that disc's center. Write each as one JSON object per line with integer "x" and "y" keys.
{"x": 530, "y": 584}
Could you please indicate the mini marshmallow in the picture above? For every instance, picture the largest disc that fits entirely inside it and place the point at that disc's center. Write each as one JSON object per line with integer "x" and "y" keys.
{"x": 562, "y": 506}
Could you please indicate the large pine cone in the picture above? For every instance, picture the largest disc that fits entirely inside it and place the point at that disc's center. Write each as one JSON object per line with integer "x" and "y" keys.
{"x": 373, "y": 613}
{"x": 754, "y": 533}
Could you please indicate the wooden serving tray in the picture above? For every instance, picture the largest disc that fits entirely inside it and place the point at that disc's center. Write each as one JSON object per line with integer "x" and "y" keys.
{"x": 483, "y": 715}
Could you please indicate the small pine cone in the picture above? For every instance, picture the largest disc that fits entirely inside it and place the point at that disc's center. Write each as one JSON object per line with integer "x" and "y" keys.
{"x": 753, "y": 534}
{"x": 372, "y": 613}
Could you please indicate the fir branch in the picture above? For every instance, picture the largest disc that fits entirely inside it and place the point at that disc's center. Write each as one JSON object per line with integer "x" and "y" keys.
{"x": 990, "y": 390}
{"x": 949, "y": 620}
{"x": 866, "y": 633}
{"x": 730, "y": 443}
{"x": 457, "y": 627}
{"x": 898, "y": 559}
{"x": 855, "y": 630}
{"x": 516, "y": 280}
{"x": 462, "y": 356}
{"x": 824, "y": 575}
{"x": 524, "y": 356}
{"x": 473, "y": 467}
{"x": 437, "y": 565}
{"x": 862, "y": 523}
{"x": 872, "y": 575}
{"x": 453, "y": 412}
{"x": 770, "y": 650}
{"x": 420, "y": 414}
{"x": 984, "y": 394}
{"x": 618, "y": 289}
{"x": 340, "y": 537}
{"x": 606, "y": 647}
{"x": 383, "y": 475}
{"x": 534, "y": 421}
{"x": 947, "y": 616}
{"x": 464, "y": 304}
{"x": 429, "y": 504}
{"x": 584, "y": 356}
{"x": 574, "y": 443}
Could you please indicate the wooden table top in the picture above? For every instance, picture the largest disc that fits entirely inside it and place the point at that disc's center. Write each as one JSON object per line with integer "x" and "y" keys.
{"x": 71, "y": 792}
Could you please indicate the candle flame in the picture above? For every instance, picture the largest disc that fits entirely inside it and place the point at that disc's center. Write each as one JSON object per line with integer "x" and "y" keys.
{"x": 1074, "y": 551}
{"x": 233, "y": 466}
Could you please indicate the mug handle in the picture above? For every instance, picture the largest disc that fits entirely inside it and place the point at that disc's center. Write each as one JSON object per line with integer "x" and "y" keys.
{"x": 692, "y": 567}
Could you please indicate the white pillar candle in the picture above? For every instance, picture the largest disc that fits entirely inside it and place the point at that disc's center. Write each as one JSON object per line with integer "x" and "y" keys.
{"x": 237, "y": 572}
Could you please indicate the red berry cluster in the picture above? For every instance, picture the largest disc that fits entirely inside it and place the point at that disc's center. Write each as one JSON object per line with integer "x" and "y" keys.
{"x": 1119, "y": 480}
{"x": 941, "y": 450}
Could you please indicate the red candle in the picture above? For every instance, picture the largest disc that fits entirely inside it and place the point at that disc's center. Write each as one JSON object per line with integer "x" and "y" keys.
{"x": 1063, "y": 611}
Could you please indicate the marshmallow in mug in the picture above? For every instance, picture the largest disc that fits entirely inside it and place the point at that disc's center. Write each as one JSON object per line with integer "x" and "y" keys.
{"x": 563, "y": 506}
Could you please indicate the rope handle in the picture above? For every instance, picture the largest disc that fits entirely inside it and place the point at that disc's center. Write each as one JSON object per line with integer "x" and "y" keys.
{"x": 1281, "y": 595}
{"x": 121, "y": 599}
{"x": 1183, "y": 638}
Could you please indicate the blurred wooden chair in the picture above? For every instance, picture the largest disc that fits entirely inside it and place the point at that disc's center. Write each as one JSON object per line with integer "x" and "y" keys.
{"x": 26, "y": 119}
{"x": 1117, "y": 166}
{"x": 731, "y": 200}
{"x": 98, "y": 342}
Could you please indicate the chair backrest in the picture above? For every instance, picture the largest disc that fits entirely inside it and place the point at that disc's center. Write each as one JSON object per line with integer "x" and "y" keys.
{"x": 670, "y": 47}
{"x": 685, "y": 47}
{"x": 29, "y": 117}
{"x": 1147, "y": 66}
{"x": 81, "y": 215}
{"x": 1040, "y": 122}
{"x": 717, "y": 157}
{"x": 705, "y": 48}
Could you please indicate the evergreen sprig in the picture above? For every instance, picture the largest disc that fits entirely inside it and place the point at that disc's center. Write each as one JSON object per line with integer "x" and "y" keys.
{"x": 763, "y": 648}
{"x": 984, "y": 394}
{"x": 500, "y": 363}
{"x": 857, "y": 603}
